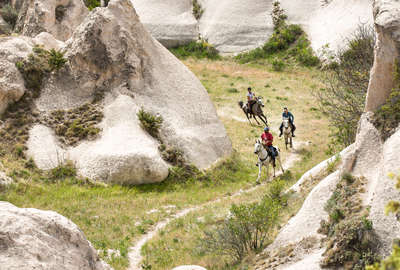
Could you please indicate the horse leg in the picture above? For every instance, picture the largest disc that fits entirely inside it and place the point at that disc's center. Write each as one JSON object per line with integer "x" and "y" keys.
{"x": 267, "y": 165}
{"x": 254, "y": 116}
{"x": 265, "y": 120}
{"x": 262, "y": 119}
{"x": 291, "y": 142}
{"x": 286, "y": 141}
{"x": 259, "y": 171}
{"x": 248, "y": 118}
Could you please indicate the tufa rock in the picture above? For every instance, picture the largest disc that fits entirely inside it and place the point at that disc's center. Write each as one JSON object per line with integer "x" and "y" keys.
{"x": 171, "y": 22}
{"x": 387, "y": 27}
{"x": 35, "y": 239}
{"x": 58, "y": 17}
{"x": 112, "y": 54}
{"x": 12, "y": 85}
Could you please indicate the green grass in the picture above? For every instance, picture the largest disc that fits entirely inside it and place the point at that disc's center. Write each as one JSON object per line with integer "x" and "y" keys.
{"x": 114, "y": 217}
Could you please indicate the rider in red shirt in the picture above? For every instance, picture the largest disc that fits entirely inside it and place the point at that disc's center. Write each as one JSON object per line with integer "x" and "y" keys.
{"x": 267, "y": 140}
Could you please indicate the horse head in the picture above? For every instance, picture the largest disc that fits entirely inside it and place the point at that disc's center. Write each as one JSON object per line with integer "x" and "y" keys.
{"x": 259, "y": 101}
{"x": 286, "y": 122}
{"x": 240, "y": 104}
{"x": 258, "y": 146}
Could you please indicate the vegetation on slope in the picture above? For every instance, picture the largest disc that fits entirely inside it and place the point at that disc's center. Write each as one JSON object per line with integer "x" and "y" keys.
{"x": 197, "y": 49}
{"x": 288, "y": 43}
{"x": 346, "y": 79}
{"x": 114, "y": 217}
{"x": 351, "y": 240}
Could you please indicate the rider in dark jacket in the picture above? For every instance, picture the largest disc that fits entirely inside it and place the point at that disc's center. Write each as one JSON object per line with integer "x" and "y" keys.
{"x": 289, "y": 115}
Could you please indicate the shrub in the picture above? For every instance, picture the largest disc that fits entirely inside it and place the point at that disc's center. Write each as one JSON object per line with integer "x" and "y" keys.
{"x": 91, "y": 4}
{"x": 346, "y": 83}
{"x": 149, "y": 122}
{"x": 247, "y": 228}
{"x": 172, "y": 155}
{"x": 200, "y": 49}
{"x": 288, "y": 41}
{"x": 56, "y": 59}
{"x": 9, "y": 14}
{"x": 197, "y": 9}
{"x": 63, "y": 171}
{"x": 39, "y": 64}
{"x": 278, "y": 65}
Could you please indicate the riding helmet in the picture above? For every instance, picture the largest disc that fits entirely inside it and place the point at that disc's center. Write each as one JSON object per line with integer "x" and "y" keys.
{"x": 266, "y": 129}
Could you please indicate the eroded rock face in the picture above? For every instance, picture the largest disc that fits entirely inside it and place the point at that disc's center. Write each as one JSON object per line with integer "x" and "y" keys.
{"x": 387, "y": 26}
{"x": 234, "y": 26}
{"x": 369, "y": 157}
{"x": 58, "y": 17}
{"x": 12, "y": 86}
{"x": 35, "y": 239}
{"x": 329, "y": 22}
{"x": 171, "y": 22}
{"x": 111, "y": 53}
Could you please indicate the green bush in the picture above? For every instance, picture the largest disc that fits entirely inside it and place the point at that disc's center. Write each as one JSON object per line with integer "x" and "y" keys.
{"x": 346, "y": 80}
{"x": 56, "y": 59}
{"x": 247, "y": 228}
{"x": 91, "y": 4}
{"x": 278, "y": 65}
{"x": 39, "y": 64}
{"x": 9, "y": 14}
{"x": 63, "y": 171}
{"x": 149, "y": 122}
{"x": 200, "y": 49}
{"x": 288, "y": 41}
{"x": 197, "y": 9}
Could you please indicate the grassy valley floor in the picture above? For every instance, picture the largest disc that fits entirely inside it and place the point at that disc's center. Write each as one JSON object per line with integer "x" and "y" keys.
{"x": 114, "y": 217}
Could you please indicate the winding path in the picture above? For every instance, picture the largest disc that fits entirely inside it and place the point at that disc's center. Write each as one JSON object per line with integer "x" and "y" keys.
{"x": 135, "y": 257}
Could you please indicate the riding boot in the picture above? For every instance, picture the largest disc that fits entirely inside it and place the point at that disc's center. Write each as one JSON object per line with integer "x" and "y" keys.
{"x": 293, "y": 134}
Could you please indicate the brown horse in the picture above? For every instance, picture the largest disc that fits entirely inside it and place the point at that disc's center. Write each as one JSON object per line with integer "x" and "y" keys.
{"x": 255, "y": 111}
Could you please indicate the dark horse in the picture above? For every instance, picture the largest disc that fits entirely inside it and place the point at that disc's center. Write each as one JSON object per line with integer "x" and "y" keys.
{"x": 255, "y": 111}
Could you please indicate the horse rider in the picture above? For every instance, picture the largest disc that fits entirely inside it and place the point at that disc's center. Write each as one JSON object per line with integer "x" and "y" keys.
{"x": 267, "y": 140}
{"x": 251, "y": 99}
{"x": 287, "y": 115}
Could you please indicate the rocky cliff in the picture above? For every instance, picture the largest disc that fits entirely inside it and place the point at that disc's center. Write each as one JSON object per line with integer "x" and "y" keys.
{"x": 113, "y": 69}
{"x": 236, "y": 26}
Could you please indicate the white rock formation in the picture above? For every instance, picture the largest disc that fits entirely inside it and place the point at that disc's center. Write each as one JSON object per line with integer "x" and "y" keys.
{"x": 35, "y": 239}
{"x": 329, "y": 23}
{"x": 113, "y": 53}
{"x": 40, "y": 16}
{"x": 386, "y": 52}
{"x": 234, "y": 26}
{"x": 12, "y": 88}
{"x": 171, "y": 22}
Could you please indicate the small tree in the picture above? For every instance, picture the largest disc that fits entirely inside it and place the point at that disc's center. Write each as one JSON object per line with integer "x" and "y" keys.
{"x": 346, "y": 82}
{"x": 278, "y": 15}
{"x": 247, "y": 228}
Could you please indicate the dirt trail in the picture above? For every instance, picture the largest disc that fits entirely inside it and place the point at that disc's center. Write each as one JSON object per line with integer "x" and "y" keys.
{"x": 135, "y": 257}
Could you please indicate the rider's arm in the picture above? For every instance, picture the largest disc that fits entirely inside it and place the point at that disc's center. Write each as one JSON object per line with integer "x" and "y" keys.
{"x": 291, "y": 116}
